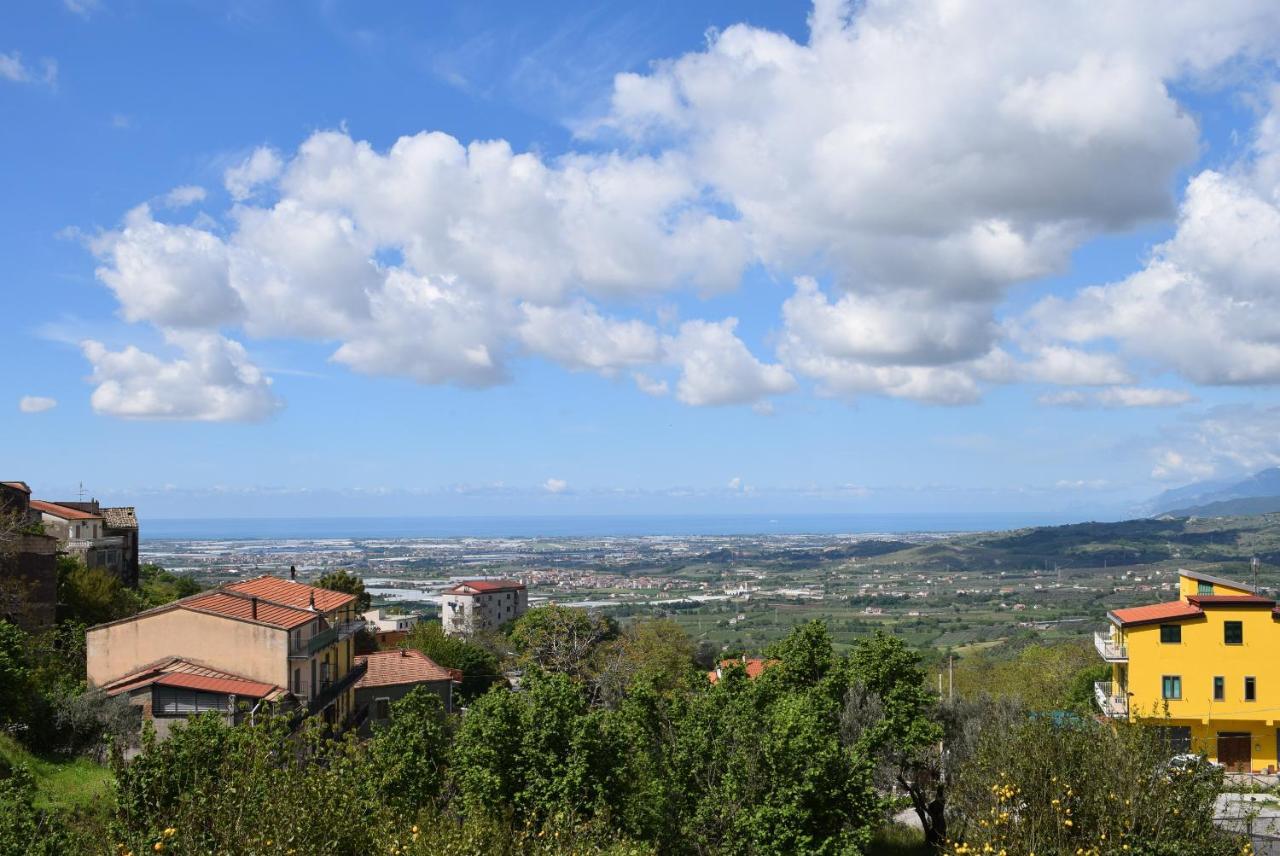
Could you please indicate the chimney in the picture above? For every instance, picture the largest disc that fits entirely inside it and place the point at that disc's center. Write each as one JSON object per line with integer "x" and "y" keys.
{"x": 312, "y": 604}
{"x": 404, "y": 653}
{"x": 293, "y": 573}
{"x": 253, "y": 606}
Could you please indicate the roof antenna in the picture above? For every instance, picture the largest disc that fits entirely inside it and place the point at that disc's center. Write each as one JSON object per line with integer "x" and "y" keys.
{"x": 1254, "y": 563}
{"x": 293, "y": 572}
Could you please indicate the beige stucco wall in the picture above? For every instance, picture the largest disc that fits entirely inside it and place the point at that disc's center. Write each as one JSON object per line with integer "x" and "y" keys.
{"x": 250, "y": 650}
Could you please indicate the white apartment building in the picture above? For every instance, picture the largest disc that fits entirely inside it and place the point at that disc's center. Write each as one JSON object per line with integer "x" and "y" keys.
{"x": 379, "y": 621}
{"x": 476, "y": 606}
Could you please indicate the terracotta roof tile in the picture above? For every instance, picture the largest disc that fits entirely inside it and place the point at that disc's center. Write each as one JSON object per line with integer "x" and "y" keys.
{"x": 755, "y": 667}
{"x": 62, "y": 511}
{"x": 1230, "y": 600}
{"x": 18, "y": 485}
{"x": 239, "y": 606}
{"x": 485, "y": 586}
{"x": 290, "y": 593}
{"x": 389, "y": 668}
{"x": 120, "y": 518}
{"x": 1175, "y": 609}
{"x": 177, "y": 672}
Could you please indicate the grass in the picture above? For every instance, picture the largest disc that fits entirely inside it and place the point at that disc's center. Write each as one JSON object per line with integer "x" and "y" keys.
{"x": 897, "y": 839}
{"x": 71, "y": 783}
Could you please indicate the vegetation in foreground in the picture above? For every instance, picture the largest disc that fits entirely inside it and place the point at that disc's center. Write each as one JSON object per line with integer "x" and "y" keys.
{"x": 619, "y": 745}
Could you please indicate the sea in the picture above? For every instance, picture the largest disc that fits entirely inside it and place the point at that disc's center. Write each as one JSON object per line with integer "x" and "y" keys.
{"x": 591, "y": 526}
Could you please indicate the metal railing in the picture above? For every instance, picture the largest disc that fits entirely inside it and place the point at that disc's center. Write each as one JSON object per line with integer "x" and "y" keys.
{"x": 334, "y": 689}
{"x": 1109, "y": 649}
{"x": 1108, "y": 702}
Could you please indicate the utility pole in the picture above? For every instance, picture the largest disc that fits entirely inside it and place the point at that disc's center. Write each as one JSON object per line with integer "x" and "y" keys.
{"x": 951, "y": 677}
{"x": 1255, "y": 563}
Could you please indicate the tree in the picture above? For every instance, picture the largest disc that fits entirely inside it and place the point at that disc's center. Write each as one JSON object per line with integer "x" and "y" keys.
{"x": 347, "y": 583}
{"x": 656, "y": 652}
{"x": 159, "y": 586}
{"x": 479, "y": 666}
{"x": 17, "y": 687}
{"x": 92, "y": 595}
{"x": 561, "y": 639}
{"x": 408, "y": 754}
{"x": 903, "y": 732}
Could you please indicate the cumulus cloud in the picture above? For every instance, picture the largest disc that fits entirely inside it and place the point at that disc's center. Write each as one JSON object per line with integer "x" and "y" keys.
{"x": 716, "y": 367}
{"x": 1205, "y": 305}
{"x": 213, "y": 381}
{"x": 36, "y": 404}
{"x": 258, "y": 168}
{"x": 916, "y": 158}
{"x": 555, "y": 485}
{"x": 15, "y": 70}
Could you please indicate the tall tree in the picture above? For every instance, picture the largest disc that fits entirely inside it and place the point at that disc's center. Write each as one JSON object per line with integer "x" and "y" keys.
{"x": 347, "y": 583}
{"x": 561, "y": 639}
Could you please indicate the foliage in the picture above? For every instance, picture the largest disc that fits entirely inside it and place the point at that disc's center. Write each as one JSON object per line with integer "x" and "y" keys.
{"x": 17, "y": 683}
{"x": 347, "y": 583}
{"x": 1038, "y": 677}
{"x": 92, "y": 595}
{"x": 479, "y": 666}
{"x": 408, "y": 754}
{"x": 561, "y": 638}
{"x": 657, "y": 653}
{"x": 159, "y": 586}
{"x": 1058, "y": 785}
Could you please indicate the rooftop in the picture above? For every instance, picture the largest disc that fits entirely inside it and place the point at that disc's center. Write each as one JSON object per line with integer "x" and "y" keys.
{"x": 248, "y": 608}
{"x": 403, "y": 666}
{"x": 289, "y": 593}
{"x": 56, "y": 510}
{"x": 120, "y": 518}
{"x": 1209, "y": 578}
{"x": 755, "y": 667}
{"x": 485, "y": 586}
{"x": 1153, "y": 613}
{"x": 18, "y": 485}
{"x": 188, "y": 674}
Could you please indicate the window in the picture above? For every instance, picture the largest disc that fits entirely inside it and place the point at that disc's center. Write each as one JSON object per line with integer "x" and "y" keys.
{"x": 1204, "y": 588}
{"x": 172, "y": 701}
{"x": 297, "y": 681}
{"x": 1176, "y": 739}
{"x": 1250, "y": 689}
{"x": 1233, "y": 632}
{"x": 1171, "y": 686}
{"x": 1171, "y": 634}
{"x": 382, "y": 709}
{"x": 1219, "y": 688}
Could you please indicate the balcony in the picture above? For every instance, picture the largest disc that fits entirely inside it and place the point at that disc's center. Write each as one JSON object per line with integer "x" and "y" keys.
{"x": 350, "y": 628}
{"x": 330, "y": 690}
{"x": 1115, "y": 706}
{"x": 1109, "y": 649}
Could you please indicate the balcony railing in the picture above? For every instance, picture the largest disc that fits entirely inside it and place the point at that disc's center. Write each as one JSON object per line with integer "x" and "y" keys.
{"x": 1108, "y": 702}
{"x": 330, "y": 690}
{"x": 1109, "y": 649}
{"x": 350, "y": 628}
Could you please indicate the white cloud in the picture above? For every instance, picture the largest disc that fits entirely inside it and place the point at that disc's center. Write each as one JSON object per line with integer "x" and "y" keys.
{"x": 12, "y": 68}
{"x": 213, "y": 381}
{"x": 1118, "y": 396}
{"x": 579, "y": 338}
{"x": 1205, "y": 305}
{"x": 181, "y": 197}
{"x": 1229, "y": 440}
{"x": 716, "y": 368}
{"x": 36, "y": 404}
{"x": 555, "y": 485}
{"x": 735, "y": 483}
{"x": 918, "y": 158}
{"x": 258, "y": 168}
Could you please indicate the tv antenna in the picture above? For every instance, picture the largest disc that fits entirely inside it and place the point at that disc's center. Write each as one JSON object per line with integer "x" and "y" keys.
{"x": 1254, "y": 563}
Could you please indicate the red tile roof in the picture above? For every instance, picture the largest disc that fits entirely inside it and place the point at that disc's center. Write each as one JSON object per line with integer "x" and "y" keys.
{"x": 177, "y": 672}
{"x": 289, "y": 593}
{"x": 755, "y": 667}
{"x": 389, "y": 668}
{"x": 240, "y": 606}
{"x": 62, "y": 511}
{"x": 18, "y": 485}
{"x": 485, "y": 586}
{"x": 1230, "y": 600}
{"x": 1156, "y": 612}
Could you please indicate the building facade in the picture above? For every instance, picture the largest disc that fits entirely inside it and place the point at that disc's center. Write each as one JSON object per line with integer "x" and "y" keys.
{"x": 28, "y": 561}
{"x": 100, "y": 537}
{"x": 1203, "y": 666}
{"x": 266, "y": 631}
{"x": 480, "y": 606}
{"x": 390, "y": 675}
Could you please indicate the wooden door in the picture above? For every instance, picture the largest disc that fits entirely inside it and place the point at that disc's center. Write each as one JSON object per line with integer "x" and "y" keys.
{"x": 1234, "y": 750}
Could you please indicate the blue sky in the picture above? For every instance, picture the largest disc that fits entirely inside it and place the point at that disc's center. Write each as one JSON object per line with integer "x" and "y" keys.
{"x": 968, "y": 271}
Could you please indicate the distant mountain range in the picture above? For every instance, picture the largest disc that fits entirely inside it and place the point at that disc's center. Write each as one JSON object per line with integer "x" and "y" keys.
{"x": 1256, "y": 494}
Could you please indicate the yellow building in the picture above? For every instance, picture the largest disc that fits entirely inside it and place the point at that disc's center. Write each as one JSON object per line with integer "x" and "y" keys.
{"x": 1210, "y": 659}
{"x": 264, "y": 638}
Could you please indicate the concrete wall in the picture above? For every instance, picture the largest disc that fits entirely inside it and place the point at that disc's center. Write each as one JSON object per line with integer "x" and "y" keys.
{"x": 250, "y": 650}
{"x": 476, "y": 613}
